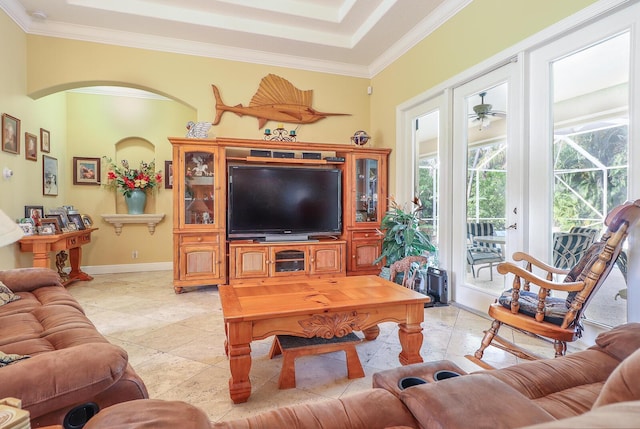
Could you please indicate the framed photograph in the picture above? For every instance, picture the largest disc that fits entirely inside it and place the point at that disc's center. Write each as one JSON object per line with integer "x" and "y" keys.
{"x": 28, "y": 228}
{"x": 61, "y": 214}
{"x": 61, "y": 223}
{"x": 31, "y": 211}
{"x": 45, "y": 142}
{"x": 47, "y": 229}
{"x": 31, "y": 146}
{"x": 10, "y": 134}
{"x": 49, "y": 175}
{"x": 168, "y": 174}
{"x": 86, "y": 171}
{"x": 77, "y": 220}
{"x": 53, "y": 221}
{"x": 86, "y": 219}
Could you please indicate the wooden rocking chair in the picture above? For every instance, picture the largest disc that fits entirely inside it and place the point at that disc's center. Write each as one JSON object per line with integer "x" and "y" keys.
{"x": 540, "y": 315}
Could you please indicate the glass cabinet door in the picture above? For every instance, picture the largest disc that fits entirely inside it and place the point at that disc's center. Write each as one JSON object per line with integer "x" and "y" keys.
{"x": 367, "y": 190}
{"x": 199, "y": 188}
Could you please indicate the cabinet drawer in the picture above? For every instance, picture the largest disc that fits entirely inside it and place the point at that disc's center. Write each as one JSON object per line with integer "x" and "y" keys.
{"x": 363, "y": 235}
{"x": 199, "y": 238}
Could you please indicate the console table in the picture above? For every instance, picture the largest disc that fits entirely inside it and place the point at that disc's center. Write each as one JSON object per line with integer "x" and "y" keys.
{"x": 42, "y": 245}
{"x": 324, "y": 308}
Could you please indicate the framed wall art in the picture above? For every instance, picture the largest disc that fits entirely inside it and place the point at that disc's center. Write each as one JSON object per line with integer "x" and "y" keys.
{"x": 31, "y": 146}
{"x": 10, "y": 134}
{"x": 45, "y": 142}
{"x": 49, "y": 175}
{"x": 86, "y": 171}
{"x": 168, "y": 174}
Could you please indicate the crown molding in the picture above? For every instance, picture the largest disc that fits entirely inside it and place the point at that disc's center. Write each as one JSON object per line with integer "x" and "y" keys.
{"x": 437, "y": 18}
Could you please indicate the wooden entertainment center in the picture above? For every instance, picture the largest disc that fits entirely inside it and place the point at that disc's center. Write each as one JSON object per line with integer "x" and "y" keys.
{"x": 203, "y": 255}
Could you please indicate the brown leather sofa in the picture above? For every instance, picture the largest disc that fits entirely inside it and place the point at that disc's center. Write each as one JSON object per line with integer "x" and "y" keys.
{"x": 598, "y": 388}
{"x": 70, "y": 362}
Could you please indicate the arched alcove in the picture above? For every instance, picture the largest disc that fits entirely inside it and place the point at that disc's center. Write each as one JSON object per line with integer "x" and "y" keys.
{"x": 135, "y": 150}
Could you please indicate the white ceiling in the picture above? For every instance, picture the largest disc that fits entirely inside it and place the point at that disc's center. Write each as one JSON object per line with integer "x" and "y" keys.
{"x": 351, "y": 37}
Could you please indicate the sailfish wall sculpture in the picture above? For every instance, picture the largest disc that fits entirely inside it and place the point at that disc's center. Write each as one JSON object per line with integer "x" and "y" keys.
{"x": 276, "y": 100}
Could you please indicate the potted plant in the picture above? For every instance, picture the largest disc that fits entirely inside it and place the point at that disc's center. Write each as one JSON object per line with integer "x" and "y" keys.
{"x": 402, "y": 236}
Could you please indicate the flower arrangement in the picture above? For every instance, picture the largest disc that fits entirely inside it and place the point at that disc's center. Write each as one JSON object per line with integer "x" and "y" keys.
{"x": 125, "y": 179}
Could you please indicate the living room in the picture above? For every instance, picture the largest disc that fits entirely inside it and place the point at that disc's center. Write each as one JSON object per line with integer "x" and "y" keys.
{"x": 41, "y": 88}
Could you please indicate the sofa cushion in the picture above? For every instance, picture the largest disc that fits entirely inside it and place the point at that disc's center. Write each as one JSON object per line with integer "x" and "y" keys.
{"x": 554, "y": 309}
{"x": 6, "y": 295}
{"x": 622, "y": 385}
{"x": 475, "y": 400}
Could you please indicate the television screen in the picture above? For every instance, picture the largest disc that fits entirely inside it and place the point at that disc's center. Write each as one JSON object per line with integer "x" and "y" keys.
{"x": 270, "y": 200}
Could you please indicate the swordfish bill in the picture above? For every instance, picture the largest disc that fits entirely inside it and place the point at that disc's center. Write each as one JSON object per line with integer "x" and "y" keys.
{"x": 276, "y": 100}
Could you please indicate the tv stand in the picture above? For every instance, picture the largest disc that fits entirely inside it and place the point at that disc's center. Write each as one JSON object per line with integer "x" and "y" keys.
{"x": 253, "y": 262}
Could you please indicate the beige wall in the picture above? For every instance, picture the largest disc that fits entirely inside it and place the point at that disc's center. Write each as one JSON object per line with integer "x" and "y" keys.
{"x": 43, "y": 65}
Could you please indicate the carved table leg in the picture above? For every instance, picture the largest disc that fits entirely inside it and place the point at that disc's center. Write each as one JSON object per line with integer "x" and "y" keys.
{"x": 239, "y": 352}
{"x": 76, "y": 273}
{"x": 371, "y": 333}
{"x": 411, "y": 340}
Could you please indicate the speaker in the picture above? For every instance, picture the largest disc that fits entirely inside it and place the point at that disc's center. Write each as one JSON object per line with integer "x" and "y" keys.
{"x": 437, "y": 285}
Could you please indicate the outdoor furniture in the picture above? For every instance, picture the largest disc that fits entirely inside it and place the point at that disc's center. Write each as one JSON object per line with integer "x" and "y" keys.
{"x": 482, "y": 253}
{"x": 569, "y": 248}
{"x": 536, "y": 312}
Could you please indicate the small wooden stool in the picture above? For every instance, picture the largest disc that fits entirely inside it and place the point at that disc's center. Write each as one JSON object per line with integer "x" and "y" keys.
{"x": 291, "y": 347}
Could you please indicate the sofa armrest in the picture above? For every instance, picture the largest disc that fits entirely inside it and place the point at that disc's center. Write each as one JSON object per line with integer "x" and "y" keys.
{"x": 28, "y": 279}
{"x": 62, "y": 378}
{"x": 475, "y": 400}
{"x": 371, "y": 409}
{"x": 619, "y": 415}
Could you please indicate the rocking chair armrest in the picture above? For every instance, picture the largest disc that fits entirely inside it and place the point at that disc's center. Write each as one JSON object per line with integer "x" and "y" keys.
{"x": 521, "y": 256}
{"x": 510, "y": 267}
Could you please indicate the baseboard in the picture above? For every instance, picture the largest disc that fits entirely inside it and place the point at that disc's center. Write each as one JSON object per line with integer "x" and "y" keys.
{"x": 128, "y": 268}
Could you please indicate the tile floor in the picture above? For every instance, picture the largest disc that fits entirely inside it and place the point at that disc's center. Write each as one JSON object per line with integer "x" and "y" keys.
{"x": 175, "y": 343}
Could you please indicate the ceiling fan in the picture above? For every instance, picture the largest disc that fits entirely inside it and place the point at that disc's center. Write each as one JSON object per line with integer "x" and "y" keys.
{"x": 483, "y": 113}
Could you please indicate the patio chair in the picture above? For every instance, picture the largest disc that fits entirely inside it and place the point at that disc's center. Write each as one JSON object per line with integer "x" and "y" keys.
{"x": 569, "y": 248}
{"x": 480, "y": 253}
{"x": 540, "y": 315}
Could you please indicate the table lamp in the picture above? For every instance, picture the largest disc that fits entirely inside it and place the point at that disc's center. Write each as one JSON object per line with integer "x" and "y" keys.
{"x": 9, "y": 230}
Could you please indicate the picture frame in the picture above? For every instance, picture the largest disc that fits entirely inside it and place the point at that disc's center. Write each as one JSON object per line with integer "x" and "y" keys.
{"x": 27, "y": 228}
{"x": 47, "y": 229}
{"x": 86, "y": 171}
{"x": 53, "y": 221}
{"x": 50, "y": 177}
{"x": 61, "y": 214}
{"x": 29, "y": 211}
{"x": 31, "y": 146}
{"x": 168, "y": 174}
{"x": 61, "y": 222}
{"x": 45, "y": 140}
{"x": 86, "y": 219}
{"x": 10, "y": 134}
{"x": 77, "y": 220}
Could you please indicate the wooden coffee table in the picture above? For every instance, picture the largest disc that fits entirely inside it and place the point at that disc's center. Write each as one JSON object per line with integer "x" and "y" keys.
{"x": 316, "y": 308}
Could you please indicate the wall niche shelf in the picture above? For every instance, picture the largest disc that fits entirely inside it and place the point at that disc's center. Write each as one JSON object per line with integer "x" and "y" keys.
{"x": 119, "y": 220}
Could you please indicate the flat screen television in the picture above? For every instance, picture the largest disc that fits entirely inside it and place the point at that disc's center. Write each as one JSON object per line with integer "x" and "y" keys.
{"x": 277, "y": 203}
